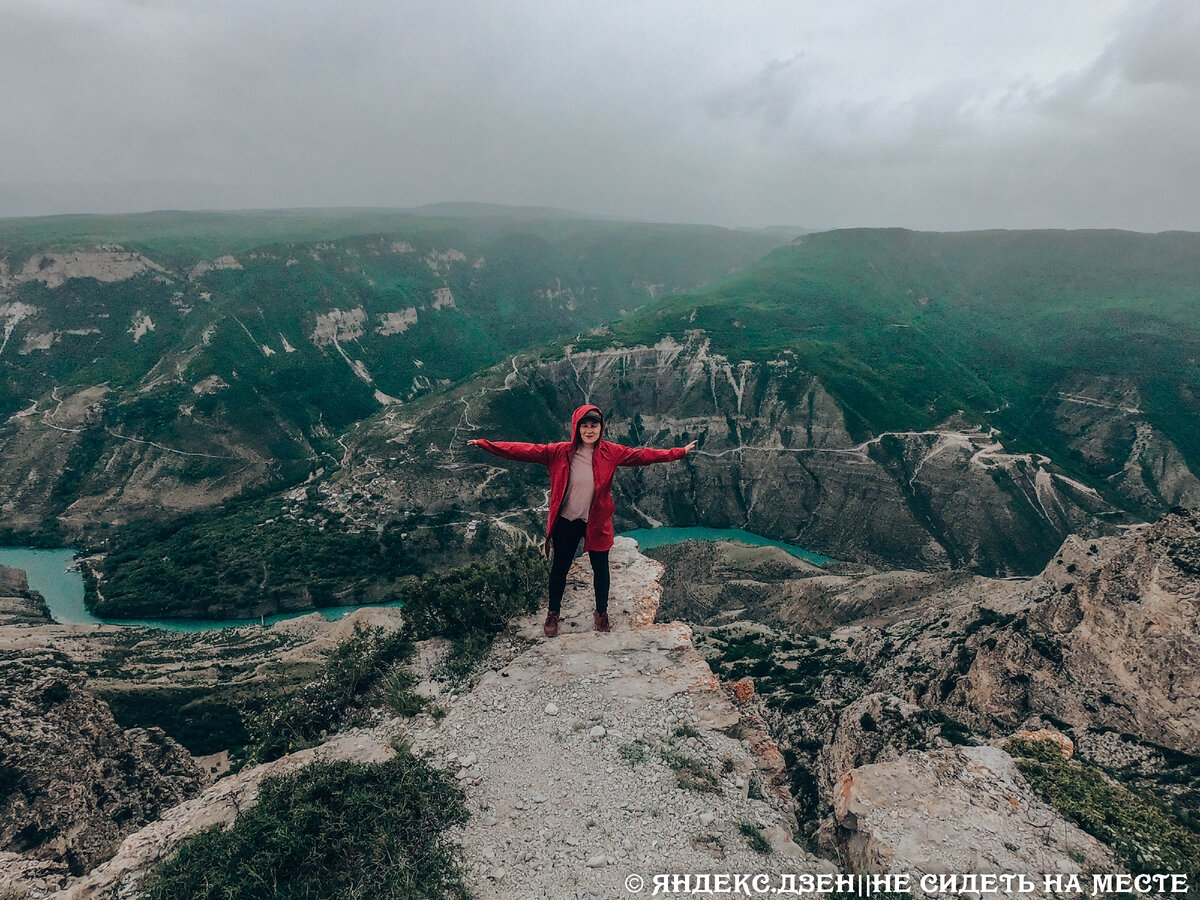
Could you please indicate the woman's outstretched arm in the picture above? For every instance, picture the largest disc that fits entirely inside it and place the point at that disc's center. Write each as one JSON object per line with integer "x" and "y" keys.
{"x": 521, "y": 452}
{"x": 644, "y": 456}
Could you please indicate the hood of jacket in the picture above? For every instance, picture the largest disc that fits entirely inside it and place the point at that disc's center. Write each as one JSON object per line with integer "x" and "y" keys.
{"x": 578, "y": 415}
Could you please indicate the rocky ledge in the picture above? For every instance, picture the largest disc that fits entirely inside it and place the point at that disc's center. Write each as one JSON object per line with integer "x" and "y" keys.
{"x": 589, "y": 758}
{"x": 72, "y": 782}
{"x": 19, "y": 604}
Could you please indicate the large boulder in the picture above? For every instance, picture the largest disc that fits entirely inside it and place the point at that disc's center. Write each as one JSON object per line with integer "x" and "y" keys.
{"x": 958, "y": 810}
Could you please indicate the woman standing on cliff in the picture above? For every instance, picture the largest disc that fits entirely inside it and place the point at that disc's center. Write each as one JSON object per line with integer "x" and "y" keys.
{"x": 581, "y": 503}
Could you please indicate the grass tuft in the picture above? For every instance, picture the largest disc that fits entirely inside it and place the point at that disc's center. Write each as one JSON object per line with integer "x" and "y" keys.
{"x": 754, "y": 837}
{"x": 691, "y": 773}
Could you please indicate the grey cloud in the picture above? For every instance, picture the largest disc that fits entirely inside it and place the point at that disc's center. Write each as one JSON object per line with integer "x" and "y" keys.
{"x": 959, "y": 115}
{"x": 768, "y": 97}
{"x": 1160, "y": 46}
{"x": 1152, "y": 64}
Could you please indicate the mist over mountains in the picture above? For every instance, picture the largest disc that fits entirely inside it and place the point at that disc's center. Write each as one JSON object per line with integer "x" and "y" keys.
{"x": 892, "y": 397}
{"x": 242, "y": 414}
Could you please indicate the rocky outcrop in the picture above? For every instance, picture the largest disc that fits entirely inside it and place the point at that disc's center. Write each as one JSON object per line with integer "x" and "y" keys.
{"x": 1123, "y": 613}
{"x": 590, "y": 756}
{"x": 72, "y": 782}
{"x": 108, "y": 263}
{"x": 1103, "y": 638}
{"x": 959, "y": 810}
{"x": 19, "y": 605}
{"x": 1101, "y": 645}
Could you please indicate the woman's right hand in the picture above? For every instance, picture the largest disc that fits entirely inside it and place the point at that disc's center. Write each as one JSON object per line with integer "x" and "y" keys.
{"x": 473, "y": 443}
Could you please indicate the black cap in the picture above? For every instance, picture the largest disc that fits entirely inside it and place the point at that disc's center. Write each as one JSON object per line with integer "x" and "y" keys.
{"x": 592, "y": 417}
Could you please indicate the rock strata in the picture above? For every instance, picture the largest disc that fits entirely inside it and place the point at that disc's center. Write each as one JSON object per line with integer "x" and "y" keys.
{"x": 776, "y": 456}
{"x": 19, "y": 604}
{"x": 72, "y": 782}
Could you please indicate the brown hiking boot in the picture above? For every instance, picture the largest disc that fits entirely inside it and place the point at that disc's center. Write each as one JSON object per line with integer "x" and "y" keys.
{"x": 601, "y": 621}
{"x": 551, "y": 626}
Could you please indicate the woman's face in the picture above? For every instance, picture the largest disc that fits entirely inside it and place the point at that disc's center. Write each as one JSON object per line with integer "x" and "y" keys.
{"x": 589, "y": 432}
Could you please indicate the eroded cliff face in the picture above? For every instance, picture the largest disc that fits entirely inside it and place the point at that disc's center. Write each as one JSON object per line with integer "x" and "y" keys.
{"x": 869, "y": 680}
{"x": 1103, "y": 638}
{"x": 1105, "y": 420}
{"x": 776, "y": 457}
{"x": 147, "y": 386}
{"x": 60, "y": 457}
{"x": 1124, "y": 612}
{"x": 19, "y": 605}
{"x": 73, "y": 782}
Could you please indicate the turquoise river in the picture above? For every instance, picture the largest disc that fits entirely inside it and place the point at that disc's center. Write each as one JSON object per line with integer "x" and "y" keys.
{"x": 54, "y": 575}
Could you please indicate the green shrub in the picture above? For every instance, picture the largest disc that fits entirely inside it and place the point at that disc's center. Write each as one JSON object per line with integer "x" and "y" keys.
{"x": 353, "y": 668}
{"x": 398, "y": 693}
{"x": 330, "y": 830}
{"x": 470, "y": 605}
{"x": 476, "y": 597}
{"x": 754, "y": 838}
{"x": 1146, "y": 836}
{"x": 633, "y": 752}
{"x": 690, "y": 773}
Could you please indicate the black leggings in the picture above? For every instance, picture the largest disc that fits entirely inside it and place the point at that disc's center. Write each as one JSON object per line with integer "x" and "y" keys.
{"x": 565, "y": 540}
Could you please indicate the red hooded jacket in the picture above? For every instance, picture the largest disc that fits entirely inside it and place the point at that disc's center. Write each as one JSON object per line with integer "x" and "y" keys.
{"x": 606, "y": 456}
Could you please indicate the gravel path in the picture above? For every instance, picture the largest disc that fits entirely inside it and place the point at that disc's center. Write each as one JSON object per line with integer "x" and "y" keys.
{"x": 592, "y": 757}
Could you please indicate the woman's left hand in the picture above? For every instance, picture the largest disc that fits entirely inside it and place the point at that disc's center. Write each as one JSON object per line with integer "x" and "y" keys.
{"x": 690, "y": 447}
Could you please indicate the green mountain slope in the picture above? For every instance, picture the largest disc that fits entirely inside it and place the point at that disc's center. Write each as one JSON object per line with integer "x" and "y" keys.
{"x": 883, "y": 397}
{"x": 886, "y": 397}
{"x": 172, "y": 360}
{"x": 908, "y": 328}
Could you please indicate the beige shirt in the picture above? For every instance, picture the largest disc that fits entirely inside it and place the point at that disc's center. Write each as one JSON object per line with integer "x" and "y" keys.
{"x": 580, "y": 487}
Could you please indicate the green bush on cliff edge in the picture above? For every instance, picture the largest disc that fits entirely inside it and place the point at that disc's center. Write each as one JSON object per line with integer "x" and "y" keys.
{"x": 1145, "y": 835}
{"x": 340, "y": 830}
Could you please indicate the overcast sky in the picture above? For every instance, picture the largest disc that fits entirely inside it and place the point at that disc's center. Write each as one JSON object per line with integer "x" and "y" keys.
{"x": 933, "y": 115}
